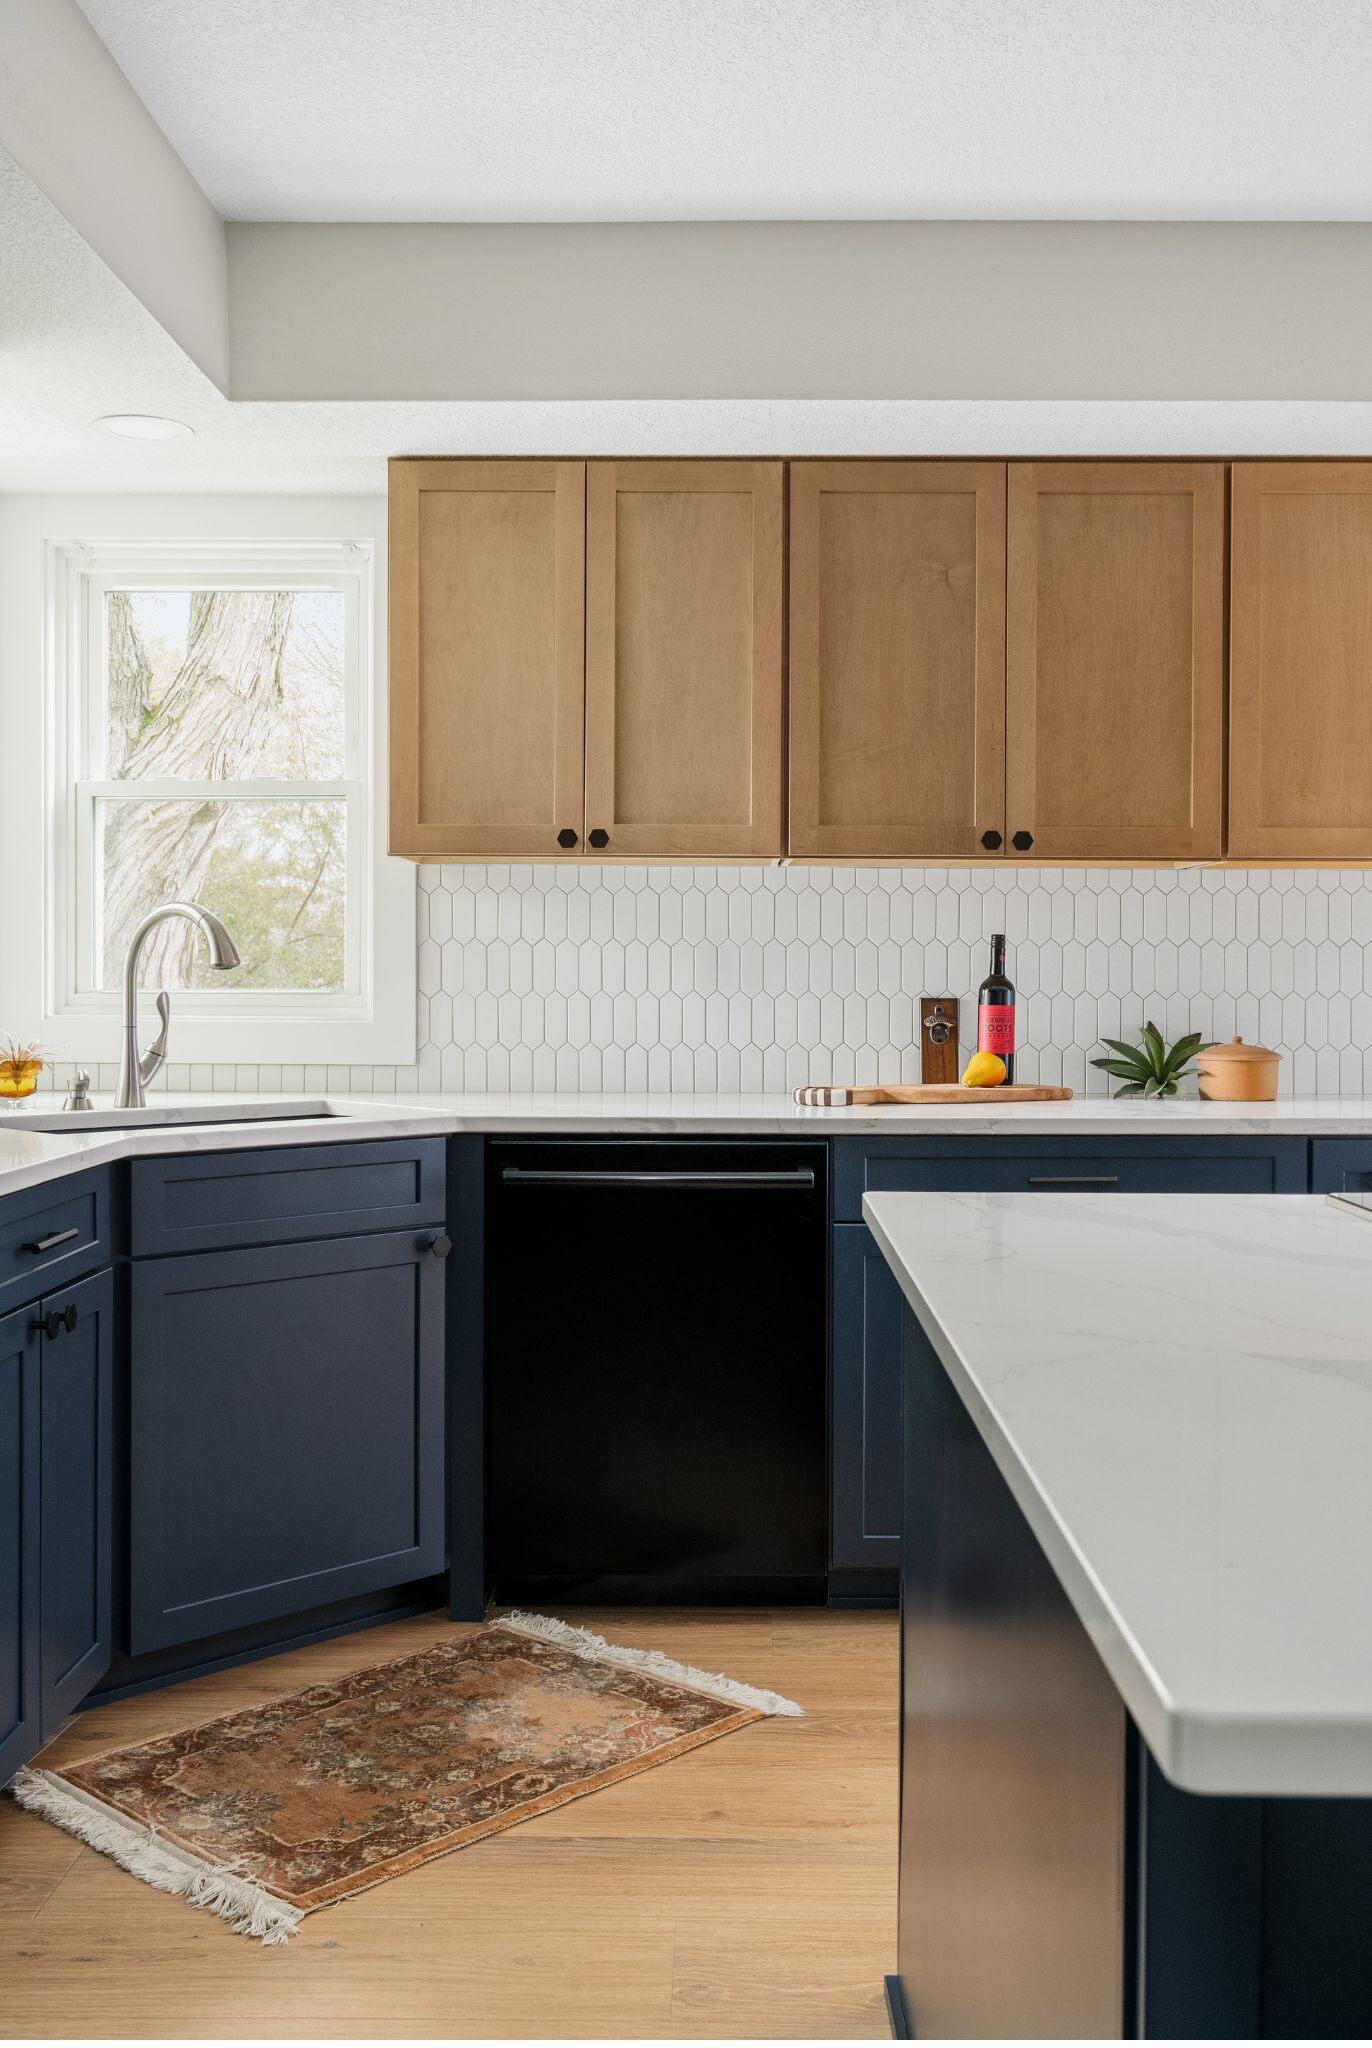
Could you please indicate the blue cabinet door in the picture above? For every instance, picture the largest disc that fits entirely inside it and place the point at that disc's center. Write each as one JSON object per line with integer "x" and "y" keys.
{"x": 19, "y": 1501}
{"x": 286, "y": 1430}
{"x": 864, "y": 1438}
{"x": 77, "y": 1431}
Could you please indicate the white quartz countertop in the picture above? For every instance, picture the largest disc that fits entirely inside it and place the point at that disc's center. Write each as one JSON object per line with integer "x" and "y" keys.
{"x": 29, "y": 1156}
{"x": 1178, "y": 1390}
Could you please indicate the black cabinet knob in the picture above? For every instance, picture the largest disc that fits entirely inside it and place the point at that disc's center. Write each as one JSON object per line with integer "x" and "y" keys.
{"x": 566, "y": 837}
{"x": 990, "y": 840}
{"x": 441, "y": 1245}
{"x": 1022, "y": 841}
{"x": 600, "y": 837}
{"x": 55, "y": 1321}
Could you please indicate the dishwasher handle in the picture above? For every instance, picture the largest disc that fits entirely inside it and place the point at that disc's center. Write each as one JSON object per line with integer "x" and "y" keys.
{"x": 800, "y": 1177}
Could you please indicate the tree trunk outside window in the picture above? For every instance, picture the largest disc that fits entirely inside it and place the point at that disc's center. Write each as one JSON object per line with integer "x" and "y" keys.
{"x": 213, "y": 723}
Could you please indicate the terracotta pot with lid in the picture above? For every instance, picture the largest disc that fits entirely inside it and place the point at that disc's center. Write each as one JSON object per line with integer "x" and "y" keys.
{"x": 1237, "y": 1072}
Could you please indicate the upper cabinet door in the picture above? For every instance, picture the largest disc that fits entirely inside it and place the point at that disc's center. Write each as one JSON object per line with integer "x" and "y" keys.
{"x": 1115, "y": 660}
{"x": 897, "y": 659}
{"x": 487, "y": 611}
{"x": 1300, "y": 682}
{"x": 683, "y": 659}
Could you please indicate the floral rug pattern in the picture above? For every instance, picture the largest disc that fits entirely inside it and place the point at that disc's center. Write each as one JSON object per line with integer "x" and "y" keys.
{"x": 337, "y": 1787}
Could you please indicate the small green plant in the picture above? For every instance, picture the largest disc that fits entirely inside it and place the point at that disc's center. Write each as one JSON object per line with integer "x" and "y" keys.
{"x": 1149, "y": 1068}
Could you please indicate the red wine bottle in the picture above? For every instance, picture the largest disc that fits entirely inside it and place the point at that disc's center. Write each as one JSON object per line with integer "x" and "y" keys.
{"x": 996, "y": 1009}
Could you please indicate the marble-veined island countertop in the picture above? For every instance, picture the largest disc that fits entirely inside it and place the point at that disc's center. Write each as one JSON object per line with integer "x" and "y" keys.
{"x": 29, "y": 1156}
{"x": 1178, "y": 1391}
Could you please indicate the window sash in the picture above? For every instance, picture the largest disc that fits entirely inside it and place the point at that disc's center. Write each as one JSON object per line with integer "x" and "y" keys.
{"x": 94, "y": 662}
{"x": 80, "y": 652}
{"x": 83, "y": 979}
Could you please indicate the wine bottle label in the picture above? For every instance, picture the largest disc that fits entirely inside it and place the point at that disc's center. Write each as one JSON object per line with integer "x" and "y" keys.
{"x": 996, "y": 1029}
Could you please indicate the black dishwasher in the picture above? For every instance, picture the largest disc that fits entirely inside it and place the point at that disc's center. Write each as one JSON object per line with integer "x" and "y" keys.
{"x": 656, "y": 1316}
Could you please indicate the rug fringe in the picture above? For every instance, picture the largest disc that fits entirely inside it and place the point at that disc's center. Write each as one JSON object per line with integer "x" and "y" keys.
{"x": 595, "y": 1649}
{"x": 240, "y": 1901}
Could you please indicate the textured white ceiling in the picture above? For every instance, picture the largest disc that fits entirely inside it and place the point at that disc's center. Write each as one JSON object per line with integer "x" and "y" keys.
{"x": 548, "y": 110}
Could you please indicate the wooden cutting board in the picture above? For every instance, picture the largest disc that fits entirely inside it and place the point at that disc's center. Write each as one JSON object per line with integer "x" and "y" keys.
{"x": 924, "y": 1093}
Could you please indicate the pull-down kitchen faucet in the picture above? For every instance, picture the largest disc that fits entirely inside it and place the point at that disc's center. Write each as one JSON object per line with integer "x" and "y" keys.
{"x": 134, "y": 1071}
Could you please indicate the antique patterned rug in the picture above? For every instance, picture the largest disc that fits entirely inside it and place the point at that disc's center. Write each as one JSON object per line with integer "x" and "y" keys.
{"x": 269, "y": 1813}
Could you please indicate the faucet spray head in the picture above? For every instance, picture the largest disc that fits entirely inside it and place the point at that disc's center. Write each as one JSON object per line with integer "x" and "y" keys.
{"x": 223, "y": 952}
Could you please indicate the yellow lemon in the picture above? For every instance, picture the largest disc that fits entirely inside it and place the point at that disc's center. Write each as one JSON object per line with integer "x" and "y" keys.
{"x": 983, "y": 1070}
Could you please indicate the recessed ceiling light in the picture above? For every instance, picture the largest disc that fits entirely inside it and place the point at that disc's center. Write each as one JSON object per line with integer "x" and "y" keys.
{"x": 143, "y": 426}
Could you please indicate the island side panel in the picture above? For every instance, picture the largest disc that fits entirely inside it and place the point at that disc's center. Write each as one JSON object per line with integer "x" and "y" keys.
{"x": 1013, "y": 1759}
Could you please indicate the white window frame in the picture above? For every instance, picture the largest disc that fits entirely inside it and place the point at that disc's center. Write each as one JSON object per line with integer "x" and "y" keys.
{"x": 372, "y": 1019}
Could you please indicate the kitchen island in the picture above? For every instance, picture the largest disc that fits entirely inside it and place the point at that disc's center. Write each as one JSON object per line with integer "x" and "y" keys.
{"x": 1137, "y": 1659}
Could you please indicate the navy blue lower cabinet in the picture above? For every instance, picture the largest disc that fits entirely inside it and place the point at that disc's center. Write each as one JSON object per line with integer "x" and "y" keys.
{"x": 1053, "y": 1883}
{"x": 1137, "y": 1166}
{"x": 864, "y": 1434}
{"x": 217, "y": 1201}
{"x": 19, "y": 1506}
{"x": 53, "y": 1235}
{"x": 1340, "y": 1166}
{"x": 286, "y": 1430}
{"x": 77, "y": 1430}
{"x": 865, "y": 1418}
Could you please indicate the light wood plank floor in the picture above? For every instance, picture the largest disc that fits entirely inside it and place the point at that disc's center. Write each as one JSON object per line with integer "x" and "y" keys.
{"x": 747, "y": 1889}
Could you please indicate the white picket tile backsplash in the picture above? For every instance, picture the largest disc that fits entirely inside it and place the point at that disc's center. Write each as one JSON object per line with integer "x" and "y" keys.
{"x": 731, "y": 980}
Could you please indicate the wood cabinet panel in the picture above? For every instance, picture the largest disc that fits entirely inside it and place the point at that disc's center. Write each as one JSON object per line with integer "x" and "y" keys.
{"x": 1300, "y": 729}
{"x": 683, "y": 658}
{"x": 487, "y": 609}
{"x": 897, "y": 659}
{"x": 1115, "y": 650}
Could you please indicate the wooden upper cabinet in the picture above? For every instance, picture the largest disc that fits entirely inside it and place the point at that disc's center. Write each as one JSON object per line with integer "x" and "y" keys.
{"x": 486, "y": 671}
{"x": 1115, "y": 660}
{"x": 897, "y": 659}
{"x": 1300, "y": 675}
{"x": 683, "y": 658}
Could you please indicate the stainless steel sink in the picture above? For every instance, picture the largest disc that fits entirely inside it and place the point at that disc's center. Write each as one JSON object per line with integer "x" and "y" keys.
{"x": 105, "y": 1118}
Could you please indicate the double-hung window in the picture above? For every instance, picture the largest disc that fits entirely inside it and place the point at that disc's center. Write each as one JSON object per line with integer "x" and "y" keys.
{"x": 214, "y": 739}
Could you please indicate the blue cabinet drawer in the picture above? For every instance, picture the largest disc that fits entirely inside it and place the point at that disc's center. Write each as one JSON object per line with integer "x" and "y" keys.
{"x": 1000, "y": 1165}
{"x": 1341, "y": 1166}
{"x": 216, "y": 1201}
{"x": 52, "y": 1235}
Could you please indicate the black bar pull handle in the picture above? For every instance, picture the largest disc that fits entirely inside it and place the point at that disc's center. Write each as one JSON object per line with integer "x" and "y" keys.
{"x": 1074, "y": 1180}
{"x": 587, "y": 1177}
{"x": 46, "y": 1244}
